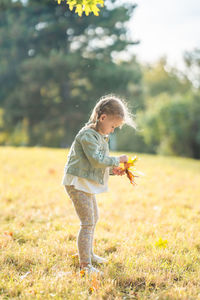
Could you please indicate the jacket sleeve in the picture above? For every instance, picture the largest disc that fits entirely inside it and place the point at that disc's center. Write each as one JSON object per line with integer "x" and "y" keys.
{"x": 91, "y": 149}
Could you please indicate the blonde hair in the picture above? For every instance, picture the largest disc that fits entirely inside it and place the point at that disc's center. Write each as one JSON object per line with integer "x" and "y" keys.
{"x": 113, "y": 106}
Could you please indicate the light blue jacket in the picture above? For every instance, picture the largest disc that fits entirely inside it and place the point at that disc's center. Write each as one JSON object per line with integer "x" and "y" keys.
{"x": 89, "y": 156}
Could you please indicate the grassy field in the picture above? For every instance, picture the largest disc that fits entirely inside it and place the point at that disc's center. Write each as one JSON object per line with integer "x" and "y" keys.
{"x": 149, "y": 233}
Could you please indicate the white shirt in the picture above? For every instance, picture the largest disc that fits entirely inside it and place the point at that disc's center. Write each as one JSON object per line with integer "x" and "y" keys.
{"x": 87, "y": 185}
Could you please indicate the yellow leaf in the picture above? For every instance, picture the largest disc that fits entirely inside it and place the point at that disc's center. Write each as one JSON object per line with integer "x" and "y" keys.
{"x": 71, "y": 4}
{"x": 87, "y": 10}
{"x": 79, "y": 9}
{"x": 161, "y": 243}
{"x": 86, "y": 6}
{"x": 101, "y": 2}
{"x": 131, "y": 160}
{"x": 95, "y": 10}
{"x": 75, "y": 256}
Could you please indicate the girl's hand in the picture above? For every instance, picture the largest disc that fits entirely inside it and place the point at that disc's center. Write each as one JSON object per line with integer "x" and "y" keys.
{"x": 127, "y": 165}
{"x": 118, "y": 171}
{"x": 123, "y": 158}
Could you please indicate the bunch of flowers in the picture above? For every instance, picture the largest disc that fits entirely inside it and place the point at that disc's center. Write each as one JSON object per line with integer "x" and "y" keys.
{"x": 129, "y": 169}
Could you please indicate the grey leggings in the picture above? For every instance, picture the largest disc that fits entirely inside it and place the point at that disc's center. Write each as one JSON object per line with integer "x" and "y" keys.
{"x": 86, "y": 208}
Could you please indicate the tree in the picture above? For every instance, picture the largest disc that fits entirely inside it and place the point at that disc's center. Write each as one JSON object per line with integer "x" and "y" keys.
{"x": 160, "y": 78}
{"x": 171, "y": 126}
{"x": 170, "y": 122}
{"x": 56, "y": 65}
{"x": 192, "y": 61}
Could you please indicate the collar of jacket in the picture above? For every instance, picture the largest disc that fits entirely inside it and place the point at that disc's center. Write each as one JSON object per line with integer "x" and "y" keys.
{"x": 105, "y": 137}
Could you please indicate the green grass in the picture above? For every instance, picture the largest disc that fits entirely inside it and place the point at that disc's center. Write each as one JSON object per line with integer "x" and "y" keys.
{"x": 149, "y": 233}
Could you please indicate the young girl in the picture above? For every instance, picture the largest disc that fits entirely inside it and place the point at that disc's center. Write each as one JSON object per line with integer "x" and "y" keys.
{"x": 87, "y": 170}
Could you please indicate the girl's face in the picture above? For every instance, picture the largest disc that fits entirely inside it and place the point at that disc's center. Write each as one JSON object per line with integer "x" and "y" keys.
{"x": 107, "y": 123}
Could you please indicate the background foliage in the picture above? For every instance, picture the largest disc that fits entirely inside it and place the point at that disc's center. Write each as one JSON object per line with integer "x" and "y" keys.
{"x": 55, "y": 65}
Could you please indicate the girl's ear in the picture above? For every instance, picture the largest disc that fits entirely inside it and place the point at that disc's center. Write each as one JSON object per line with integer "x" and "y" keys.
{"x": 102, "y": 117}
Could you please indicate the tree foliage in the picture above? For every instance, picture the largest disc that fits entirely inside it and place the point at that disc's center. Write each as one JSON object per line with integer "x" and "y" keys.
{"x": 192, "y": 61}
{"x": 171, "y": 123}
{"x": 160, "y": 78}
{"x": 55, "y": 66}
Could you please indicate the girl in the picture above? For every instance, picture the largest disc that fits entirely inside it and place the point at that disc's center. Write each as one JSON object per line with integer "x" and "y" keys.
{"x": 87, "y": 170}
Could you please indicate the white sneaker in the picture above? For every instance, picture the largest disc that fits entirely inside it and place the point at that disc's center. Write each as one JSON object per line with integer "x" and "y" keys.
{"x": 97, "y": 259}
{"x": 89, "y": 269}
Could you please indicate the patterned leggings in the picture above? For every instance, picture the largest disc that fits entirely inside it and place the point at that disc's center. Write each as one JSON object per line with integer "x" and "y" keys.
{"x": 86, "y": 208}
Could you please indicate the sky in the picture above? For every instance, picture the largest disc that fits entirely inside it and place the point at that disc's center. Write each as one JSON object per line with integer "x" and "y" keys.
{"x": 165, "y": 28}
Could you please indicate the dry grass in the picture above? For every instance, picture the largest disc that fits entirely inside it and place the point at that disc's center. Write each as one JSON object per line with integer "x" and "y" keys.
{"x": 149, "y": 233}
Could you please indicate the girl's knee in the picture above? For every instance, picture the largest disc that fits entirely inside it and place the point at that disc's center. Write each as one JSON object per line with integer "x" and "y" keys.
{"x": 88, "y": 225}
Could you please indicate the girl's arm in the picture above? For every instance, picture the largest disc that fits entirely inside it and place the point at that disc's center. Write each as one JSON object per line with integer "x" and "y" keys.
{"x": 91, "y": 149}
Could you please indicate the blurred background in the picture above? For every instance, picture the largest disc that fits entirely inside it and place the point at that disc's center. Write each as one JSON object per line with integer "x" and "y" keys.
{"x": 55, "y": 65}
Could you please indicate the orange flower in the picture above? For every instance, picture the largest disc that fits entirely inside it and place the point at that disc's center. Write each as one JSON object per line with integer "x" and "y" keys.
{"x": 82, "y": 273}
{"x": 94, "y": 282}
{"x": 91, "y": 290}
{"x": 8, "y": 233}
